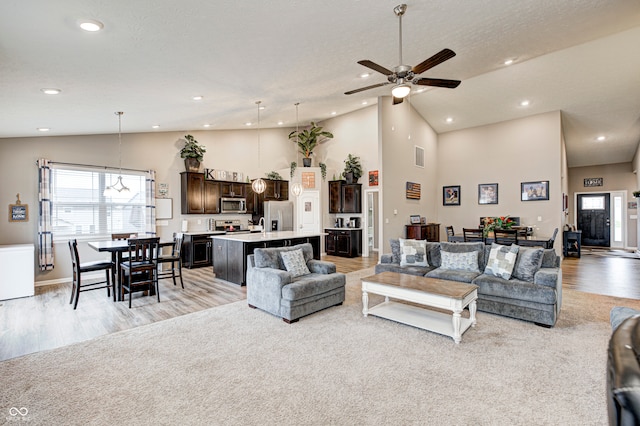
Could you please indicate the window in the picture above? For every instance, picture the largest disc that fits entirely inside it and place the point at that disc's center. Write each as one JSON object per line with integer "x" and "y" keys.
{"x": 79, "y": 208}
{"x": 593, "y": 203}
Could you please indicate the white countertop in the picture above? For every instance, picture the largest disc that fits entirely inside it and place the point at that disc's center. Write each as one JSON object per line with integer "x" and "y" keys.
{"x": 344, "y": 228}
{"x": 259, "y": 236}
{"x": 205, "y": 233}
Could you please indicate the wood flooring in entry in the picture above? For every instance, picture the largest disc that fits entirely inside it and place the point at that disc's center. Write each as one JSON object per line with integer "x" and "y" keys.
{"x": 47, "y": 320}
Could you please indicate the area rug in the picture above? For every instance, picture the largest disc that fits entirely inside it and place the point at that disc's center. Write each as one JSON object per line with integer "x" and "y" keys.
{"x": 232, "y": 365}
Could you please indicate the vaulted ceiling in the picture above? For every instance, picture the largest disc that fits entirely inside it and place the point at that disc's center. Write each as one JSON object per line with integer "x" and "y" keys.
{"x": 152, "y": 57}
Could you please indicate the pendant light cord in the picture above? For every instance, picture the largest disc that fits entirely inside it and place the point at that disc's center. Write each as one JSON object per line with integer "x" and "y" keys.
{"x": 258, "y": 103}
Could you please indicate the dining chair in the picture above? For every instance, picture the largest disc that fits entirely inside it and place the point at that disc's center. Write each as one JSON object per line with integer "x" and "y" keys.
{"x": 552, "y": 240}
{"x": 505, "y": 237}
{"x": 80, "y": 268}
{"x": 174, "y": 258}
{"x": 472, "y": 234}
{"x": 123, "y": 236}
{"x": 139, "y": 271}
{"x": 450, "y": 232}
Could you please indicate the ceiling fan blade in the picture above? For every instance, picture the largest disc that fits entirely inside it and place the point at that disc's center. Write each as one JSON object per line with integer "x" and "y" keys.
{"x": 362, "y": 89}
{"x": 438, "y": 58}
{"x": 397, "y": 101}
{"x": 437, "y": 82}
{"x": 375, "y": 67}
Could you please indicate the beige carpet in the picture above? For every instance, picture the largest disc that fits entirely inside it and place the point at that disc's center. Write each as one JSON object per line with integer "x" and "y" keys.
{"x": 233, "y": 365}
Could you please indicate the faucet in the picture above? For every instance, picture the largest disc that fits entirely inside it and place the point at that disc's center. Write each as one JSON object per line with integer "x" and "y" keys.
{"x": 261, "y": 221}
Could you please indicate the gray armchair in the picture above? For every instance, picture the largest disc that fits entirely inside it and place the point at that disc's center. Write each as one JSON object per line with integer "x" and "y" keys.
{"x": 272, "y": 288}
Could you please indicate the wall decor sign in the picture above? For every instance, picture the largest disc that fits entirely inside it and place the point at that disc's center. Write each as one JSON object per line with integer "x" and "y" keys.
{"x": 213, "y": 174}
{"x": 18, "y": 212}
{"x": 534, "y": 191}
{"x": 488, "y": 193}
{"x": 413, "y": 191}
{"x": 451, "y": 195}
{"x": 163, "y": 190}
{"x": 589, "y": 182}
{"x": 373, "y": 178}
{"x": 308, "y": 180}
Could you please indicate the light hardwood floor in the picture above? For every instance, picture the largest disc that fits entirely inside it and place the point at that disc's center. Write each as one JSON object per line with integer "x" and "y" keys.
{"x": 47, "y": 320}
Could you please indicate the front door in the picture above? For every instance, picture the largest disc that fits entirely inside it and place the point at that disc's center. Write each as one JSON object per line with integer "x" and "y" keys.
{"x": 593, "y": 219}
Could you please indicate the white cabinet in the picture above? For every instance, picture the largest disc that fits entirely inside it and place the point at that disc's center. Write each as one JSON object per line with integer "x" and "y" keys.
{"x": 16, "y": 271}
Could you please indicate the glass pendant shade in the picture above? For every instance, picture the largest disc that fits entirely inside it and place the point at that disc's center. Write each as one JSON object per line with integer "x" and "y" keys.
{"x": 118, "y": 187}
{"x": 258, "y": 186}
{"x": 297, "y": 188}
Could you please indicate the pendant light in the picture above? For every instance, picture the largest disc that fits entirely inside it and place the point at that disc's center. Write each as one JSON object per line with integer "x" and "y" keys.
{"x": 297, "y": 188}
{"x": 118, "y": 187}
{"x": 259, "y": 184}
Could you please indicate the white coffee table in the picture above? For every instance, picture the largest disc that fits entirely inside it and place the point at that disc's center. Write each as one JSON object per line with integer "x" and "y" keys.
{"x": 431, "y": 292}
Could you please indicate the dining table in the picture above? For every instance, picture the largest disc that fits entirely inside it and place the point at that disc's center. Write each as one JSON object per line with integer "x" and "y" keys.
{"x": 529, "y": 241}
{"x": 117, "y": 248}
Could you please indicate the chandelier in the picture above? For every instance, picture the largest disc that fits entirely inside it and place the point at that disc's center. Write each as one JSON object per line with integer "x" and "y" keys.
{"x": 118, "y": 187}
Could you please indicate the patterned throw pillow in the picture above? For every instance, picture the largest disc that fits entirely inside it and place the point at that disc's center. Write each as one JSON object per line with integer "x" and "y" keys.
{"x": 460, "y": 261}
{"x": 294, "y": 262}
{"x": 501, "y": 261}
{"x": 413, "y": 252}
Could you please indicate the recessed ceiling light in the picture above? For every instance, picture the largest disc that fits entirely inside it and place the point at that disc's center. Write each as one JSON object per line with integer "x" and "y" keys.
{"x": 508, "y": 61}
{"x": 524, "y": 103}
{"x": 364, "y": 102}
{"x": 333, "y": 113}
{"x": 248, "y": 123}
{"x": 365, "y": 75}
{"x": 601, "y": 138}
{"x": 261, "y": 107}
{"x": 91, "y": 25}
{"x": 449, "y": 120}
{"x": 206, "y": 125}
{"x": 50, "y": 91}
{"x": 280, "y": 123}
{"x": 420, "y": 90}
{"x": 43, "y": 129}
{"x": 155, "y": 126}
{"x": 197, "y": 98}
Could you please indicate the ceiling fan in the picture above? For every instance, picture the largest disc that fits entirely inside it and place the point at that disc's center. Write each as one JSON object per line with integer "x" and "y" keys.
{"x": 402, "y": 75}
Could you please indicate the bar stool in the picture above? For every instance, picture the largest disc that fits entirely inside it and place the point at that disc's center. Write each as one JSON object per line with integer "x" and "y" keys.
{"x": 79, "y": 268}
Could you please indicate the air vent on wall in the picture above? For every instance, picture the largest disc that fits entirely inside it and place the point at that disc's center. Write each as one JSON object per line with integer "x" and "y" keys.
{"x": 419, "y": 157}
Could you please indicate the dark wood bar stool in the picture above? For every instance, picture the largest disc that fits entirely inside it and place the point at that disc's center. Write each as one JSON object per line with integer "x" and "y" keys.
{"x": 80, "y": 268}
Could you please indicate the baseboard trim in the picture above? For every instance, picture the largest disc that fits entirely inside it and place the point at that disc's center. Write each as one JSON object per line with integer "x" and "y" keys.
{"x": 68, "y": 279}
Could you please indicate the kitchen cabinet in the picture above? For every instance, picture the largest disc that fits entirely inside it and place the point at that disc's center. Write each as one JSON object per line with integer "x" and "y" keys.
{"x": 276, "y": 190}
{"x": 429, "y": 232}
{"x": 198, "y": 195}
{"x": 343, "y": 242}
{"x": 230, "y": 251}
{"x": 232, "y": 189}
{"x": 196, "y": 250}
{"x": 345, "y": 197}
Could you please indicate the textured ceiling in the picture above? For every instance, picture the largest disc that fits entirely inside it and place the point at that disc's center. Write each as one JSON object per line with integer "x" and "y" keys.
{"x": 152, "y": 56}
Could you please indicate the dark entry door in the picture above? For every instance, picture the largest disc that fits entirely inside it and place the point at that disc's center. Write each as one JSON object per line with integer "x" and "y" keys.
{"x": 593, "y": 219}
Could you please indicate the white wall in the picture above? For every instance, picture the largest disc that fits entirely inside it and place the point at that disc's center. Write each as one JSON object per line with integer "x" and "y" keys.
{"x": 507, "y": 153}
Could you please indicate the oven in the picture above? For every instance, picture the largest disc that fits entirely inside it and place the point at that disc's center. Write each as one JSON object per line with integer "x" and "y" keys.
{"x": 233, "y": 205}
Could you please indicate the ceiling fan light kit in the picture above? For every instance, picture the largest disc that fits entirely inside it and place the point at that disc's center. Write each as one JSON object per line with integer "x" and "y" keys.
{"x": 402, "y": 74}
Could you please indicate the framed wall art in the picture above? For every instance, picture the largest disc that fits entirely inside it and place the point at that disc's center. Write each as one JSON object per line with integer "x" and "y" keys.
{"x": 488, "y": 193}
{"x": 413, "y": 191}
{"x": 534, "y": 191}
{"x": 18, "y": 212}
{"x": 451, "y": 195}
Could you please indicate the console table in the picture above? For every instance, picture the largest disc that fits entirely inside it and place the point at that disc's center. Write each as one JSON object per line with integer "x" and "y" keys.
{"x": 571, "y": 243}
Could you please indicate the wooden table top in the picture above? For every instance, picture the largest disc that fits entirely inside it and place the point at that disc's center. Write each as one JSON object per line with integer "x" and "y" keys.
{"x": 452, "y": 289}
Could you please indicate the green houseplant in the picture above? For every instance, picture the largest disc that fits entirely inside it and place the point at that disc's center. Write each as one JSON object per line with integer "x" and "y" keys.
{"x": 352, "y": 169}
{"x": 193, "y": 154}
{"x": 274, "y": 175}
{"x": 308, "y": 139}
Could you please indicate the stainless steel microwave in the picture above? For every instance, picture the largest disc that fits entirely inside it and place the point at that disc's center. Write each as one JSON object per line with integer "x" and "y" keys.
{"x": 233, "y": 205}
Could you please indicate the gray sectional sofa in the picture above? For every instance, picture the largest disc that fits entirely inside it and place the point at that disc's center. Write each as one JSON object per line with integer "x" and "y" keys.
{"x": 533, "y": 292}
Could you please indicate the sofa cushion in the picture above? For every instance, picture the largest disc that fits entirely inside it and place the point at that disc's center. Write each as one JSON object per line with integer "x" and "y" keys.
{"x": 460, "y": 261}
{"x": 413, "y": 252}
{"x": 491, "y": 285}
{"x": 270, "y": 257}
{"x": 395, "y": 250}
{"x": 550, "y": 259}
{"x": 528, "y": 263}
{"x": 465, "y": 248}
{"x": 294, "y": 262}
{"x": 409, "y": 270}
{"x": 312, "y": 285}
{"x": 501, "y": 260}
{"x": 453, "y": 275}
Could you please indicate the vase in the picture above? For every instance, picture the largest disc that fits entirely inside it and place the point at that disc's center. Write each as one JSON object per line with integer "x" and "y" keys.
{"x": 306, "y": 162}
{"x": 191, "y": 164}
{"x": 349, "y": 177}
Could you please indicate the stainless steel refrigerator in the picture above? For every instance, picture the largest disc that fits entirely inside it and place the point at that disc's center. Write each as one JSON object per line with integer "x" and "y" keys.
{"x": 278, "y": 215}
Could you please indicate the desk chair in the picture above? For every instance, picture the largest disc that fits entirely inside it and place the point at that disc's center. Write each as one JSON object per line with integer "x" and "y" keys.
{"x": 139, "y": 271}
{"x": 79, "y": 268}
{"x": 472, "y": 234}
{"x": 174, "y": 258}
{"x": 505, "y": 237}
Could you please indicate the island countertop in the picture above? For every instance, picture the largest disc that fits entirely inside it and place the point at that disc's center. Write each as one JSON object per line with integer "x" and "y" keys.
{"x": 267, "y": 236}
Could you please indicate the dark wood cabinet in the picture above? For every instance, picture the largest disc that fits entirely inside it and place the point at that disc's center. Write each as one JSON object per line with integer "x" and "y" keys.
{"x": 429, "y": 232}
{"x": 196, "y": 250}
{"x": 345, "y": 197}
{"x": 276, "y": 190}
{"x": 233, "y": 189}
{"x": 343, "y": 242}
{"x": 572, "y": 243}
{"x": 198, "y": 196}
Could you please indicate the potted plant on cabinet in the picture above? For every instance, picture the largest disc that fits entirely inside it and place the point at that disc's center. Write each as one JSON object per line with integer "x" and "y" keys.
{"x": 193, "y": 153}
{"x": 352, "y": 169}
{"x": 308, "y": 139}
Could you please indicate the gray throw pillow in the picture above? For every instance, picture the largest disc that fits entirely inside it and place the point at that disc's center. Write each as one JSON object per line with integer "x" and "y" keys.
{"x": 294, "y": 262}
{"x": 395, "y": 250}
{"x": 528, "y": 263}
{"x": 502, "y": 260}
{"x": 460, "y": 261}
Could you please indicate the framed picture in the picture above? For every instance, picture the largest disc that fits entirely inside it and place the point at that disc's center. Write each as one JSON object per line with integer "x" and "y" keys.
{"x": 373, "y": 178}
{"x": 413, "y": 191}
{"x": 534, "y": 191}
{"x": 18, "y": 213}
{"x": 488, "y": 193}
{"x": 415, "y": 219}
{"x": 451, "y": 195}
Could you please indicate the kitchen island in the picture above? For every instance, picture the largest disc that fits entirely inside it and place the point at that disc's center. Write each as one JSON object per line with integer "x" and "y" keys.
{"x": 230, "y": 251}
